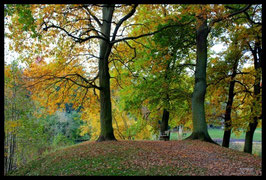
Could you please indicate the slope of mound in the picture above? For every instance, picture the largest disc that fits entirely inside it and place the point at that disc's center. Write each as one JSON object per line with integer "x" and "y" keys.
{"x": 144, "y": 158}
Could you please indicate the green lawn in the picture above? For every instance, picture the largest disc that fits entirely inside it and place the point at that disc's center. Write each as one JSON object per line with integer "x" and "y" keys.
{"x": 218, "y": 134}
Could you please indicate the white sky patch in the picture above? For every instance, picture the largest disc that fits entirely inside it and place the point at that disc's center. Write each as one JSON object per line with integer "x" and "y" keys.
{"x": 218, "y": 47}
{"x": 9, "y": 55}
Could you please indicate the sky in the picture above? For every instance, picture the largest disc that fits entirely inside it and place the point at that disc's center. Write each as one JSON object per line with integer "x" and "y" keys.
{"x": 12, "y": 55}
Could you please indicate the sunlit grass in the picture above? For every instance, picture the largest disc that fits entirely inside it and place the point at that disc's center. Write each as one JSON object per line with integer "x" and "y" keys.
{"x": 218, "y": 134}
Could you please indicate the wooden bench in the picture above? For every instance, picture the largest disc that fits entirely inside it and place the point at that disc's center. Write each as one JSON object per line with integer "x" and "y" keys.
{"x": 165, "y": 136}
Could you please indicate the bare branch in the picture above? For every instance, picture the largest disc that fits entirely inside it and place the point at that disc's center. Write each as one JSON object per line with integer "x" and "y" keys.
{"x": 76, "y": 39}
{"x": 91, "y": 83}
{"x": 92, "y": 15}
{"x": 124, "y": 19}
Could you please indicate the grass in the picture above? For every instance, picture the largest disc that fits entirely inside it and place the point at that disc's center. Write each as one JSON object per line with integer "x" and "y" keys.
{"x": 136, "y": 158}
{"x": 218, "y": 134}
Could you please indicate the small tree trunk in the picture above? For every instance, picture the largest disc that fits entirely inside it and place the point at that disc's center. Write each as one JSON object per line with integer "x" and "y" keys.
{"x": 198, "y": 111}
{"x": 12, "y": 152}
{"x": 6, "y": 155}
{"x": 107, "y": 132}
{"x": 253, "y": 125}
{"x": 165, "y": 118}
{"x": 227, "y": 119}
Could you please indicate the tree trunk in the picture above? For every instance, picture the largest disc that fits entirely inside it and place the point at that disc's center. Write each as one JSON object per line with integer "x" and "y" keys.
{"x": 253, "y": 125}
{"x": 249, "y": 136}
{"x": 198, "y": 111}
{"x": 12, "y": 153}
{"x": 227, "y": 122}
{"x": 107, "y": 132}
{"x": 165, "y": 118}
{"x": 6, "y": 155}
{"x": 227, "y": 118}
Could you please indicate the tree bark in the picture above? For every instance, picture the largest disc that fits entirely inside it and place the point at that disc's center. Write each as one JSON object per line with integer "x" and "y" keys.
{"x": 107, "y": 132}
{"x": 254, "y": 123}
{"x": 249, "y": 136}
{"x": 227, "y": 118}
{"x": 198, "y": 110}
{"x": 7, "y": 154}
{"x": 165, "y": 118}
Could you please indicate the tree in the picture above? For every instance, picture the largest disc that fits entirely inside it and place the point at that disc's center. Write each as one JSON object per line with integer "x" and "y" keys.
{"x": 24, "y": 135}
{"x": 156, "y": 74}
{"x": 230, "y": 81}
{"x": 250, "y": 38}
{"x": 256, "y": 51}
{"x": 198, "y": 97}
{"x": 228, "y": 71}
{"x": 11, "y": 116}
{"x": 198, "y": 111}
{"x": 176, "y": 42}
{"x": 104, "y": 77}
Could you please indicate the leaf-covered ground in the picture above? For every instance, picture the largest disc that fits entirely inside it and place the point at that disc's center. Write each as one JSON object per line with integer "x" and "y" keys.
{"x": 144, "y": 158}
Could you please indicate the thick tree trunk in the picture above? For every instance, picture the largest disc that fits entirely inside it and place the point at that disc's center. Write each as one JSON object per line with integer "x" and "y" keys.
{"x": 227, "y": 118}
{"x": 107, "y": 132}
{"x": 165, "y": 118}
{"x": 198, "y": 111}
{"x": 249, "y": 136}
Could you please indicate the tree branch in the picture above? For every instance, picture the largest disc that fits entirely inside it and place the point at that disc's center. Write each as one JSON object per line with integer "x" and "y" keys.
{"x": 250, "y": 20}
{"x": 187, "y": 64}
{"x": 124, "y": 19}
{"x": 66, "y": 77}
{"x": 230, "y": 15}
{"x": 92, "y": 15}
{"x": 246, "y": 89}
{"x": 147, "y": 34}
{"x": 76, "y": 39}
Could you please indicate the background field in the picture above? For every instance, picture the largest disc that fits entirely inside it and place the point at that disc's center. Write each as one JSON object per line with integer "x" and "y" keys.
{"x": 237, "y": 141}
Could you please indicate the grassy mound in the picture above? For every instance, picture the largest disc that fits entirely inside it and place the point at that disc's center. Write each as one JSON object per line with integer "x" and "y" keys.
{"x": 188, "y": 157}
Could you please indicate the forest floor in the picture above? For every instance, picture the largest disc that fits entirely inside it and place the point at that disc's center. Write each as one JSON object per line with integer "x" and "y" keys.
{"x": 140, "y": 158}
